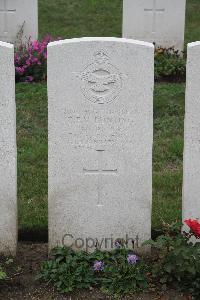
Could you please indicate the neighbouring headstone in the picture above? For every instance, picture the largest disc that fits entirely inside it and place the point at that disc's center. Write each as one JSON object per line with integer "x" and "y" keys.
{"x": 8, "y": 171}
{"x": 158, "y": 21}
{"x": 18, "y": 18}
{"x": 191, "y": 184}
{"x": 100, "y": 142}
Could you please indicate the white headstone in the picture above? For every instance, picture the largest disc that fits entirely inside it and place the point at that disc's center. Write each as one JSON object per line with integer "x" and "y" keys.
{"x": 100, "y": 141}
{"x": 18, "y": 16}
{"x": 191, "y": 185}
{"x": 8, "y": 176}
{"x": 158, "y": 21}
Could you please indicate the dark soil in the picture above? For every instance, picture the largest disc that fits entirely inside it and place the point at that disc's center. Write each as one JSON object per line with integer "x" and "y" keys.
{"x": 22, "y": 285}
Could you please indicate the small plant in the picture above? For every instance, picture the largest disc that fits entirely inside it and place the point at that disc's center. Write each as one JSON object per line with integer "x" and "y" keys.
{"x": 3, "y": 275}
{"x": 124, "y": 273}
{"x": 31, "y": 60}
{"x": 178, "y": 259}
{"x": 118, "y": 272}
{"x": 170, "y": 65}
{"x": 68, "y": 270}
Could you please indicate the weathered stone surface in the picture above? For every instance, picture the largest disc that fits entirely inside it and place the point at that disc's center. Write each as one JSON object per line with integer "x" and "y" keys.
{"x": 159, "y": 21}
{"x": 191, "y": 185}
{"x": 8, "y": 176}
{"x": 17, "y": 16}
{"x": 100, "y": 141}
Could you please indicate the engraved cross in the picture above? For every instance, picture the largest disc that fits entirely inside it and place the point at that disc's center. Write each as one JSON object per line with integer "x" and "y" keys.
{"x": 100, "y": 171}
{"x": 154, "y": 12}
{"x": 6, "y": 11}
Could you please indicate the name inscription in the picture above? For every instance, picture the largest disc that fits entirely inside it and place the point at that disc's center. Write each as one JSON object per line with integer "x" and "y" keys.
{"x": 89, "y": 128}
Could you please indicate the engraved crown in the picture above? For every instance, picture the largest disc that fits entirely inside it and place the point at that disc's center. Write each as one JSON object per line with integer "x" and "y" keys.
{"x": 101, "y": 57}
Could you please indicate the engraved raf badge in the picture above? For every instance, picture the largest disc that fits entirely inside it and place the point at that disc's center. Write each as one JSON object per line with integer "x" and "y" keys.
{"x": 101, "y": 81}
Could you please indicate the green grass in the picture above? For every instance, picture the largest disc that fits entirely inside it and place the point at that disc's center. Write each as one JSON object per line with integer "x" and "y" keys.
{"x": 77, "y": 18}
{"x": 167, "y": 153}
{"x": 32, "y": 153}
{"x": 192, "y": 32}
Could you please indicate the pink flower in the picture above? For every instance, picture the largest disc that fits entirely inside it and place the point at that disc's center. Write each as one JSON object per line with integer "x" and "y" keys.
{"x": 30, "y": 58}
{"x": 20, "y": 70}
{"x": 28, "y": 62}
{"x": 35, "y": 59}
{"x": 29, "y": 78}
{"x": 35, "y": 45}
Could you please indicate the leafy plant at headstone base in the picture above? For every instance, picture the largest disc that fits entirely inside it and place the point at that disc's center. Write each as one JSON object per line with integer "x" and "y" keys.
{"x": 177, "y": 262}
{"x": 68, "y": 270}
{"x": 31, "y": 60}
{"x": 117, "y": 272}
{"x": 2, "y": 274}
{"x": 170, "y": 65}
{"x": 124, "y": 273}
{"x": 5, "y": 263}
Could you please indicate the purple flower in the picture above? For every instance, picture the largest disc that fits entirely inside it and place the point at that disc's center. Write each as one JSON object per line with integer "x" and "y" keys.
{"x": 98, "y": 266}
{"x": 29, "y": 78}
{"x": 132, "y": 259}
{"x": 117, "y": 245}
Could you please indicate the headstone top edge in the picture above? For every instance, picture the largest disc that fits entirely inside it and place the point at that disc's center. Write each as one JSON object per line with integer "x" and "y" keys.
{"x": 101, "y": 39}
{"x": 6, "y": 45}
{"x": 193, "y": 44}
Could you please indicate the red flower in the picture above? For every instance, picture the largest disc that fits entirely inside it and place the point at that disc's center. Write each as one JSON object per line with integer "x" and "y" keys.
{"x": 194, "y": 227}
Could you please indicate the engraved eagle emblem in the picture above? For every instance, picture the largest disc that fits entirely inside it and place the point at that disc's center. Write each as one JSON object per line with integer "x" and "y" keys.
{"x": 100, "y": 83}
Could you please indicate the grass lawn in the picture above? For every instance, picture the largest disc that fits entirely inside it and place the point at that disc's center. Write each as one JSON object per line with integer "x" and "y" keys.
{"x": 77, "y": 18}
{"x": 32, "y": 154}
{"x": 74, "y": 18}
{"x": 168, "y": 151}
